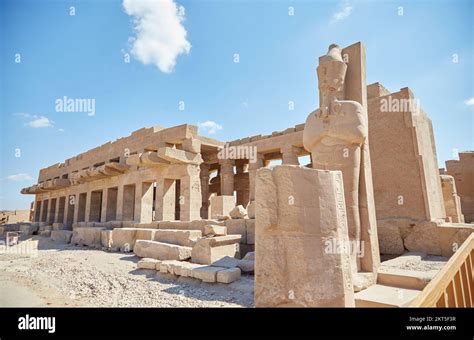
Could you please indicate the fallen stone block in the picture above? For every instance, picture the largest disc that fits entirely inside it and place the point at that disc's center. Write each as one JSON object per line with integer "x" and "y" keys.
{"x": 125, "y": 238}
{"x": 28, "y": 229}
{"x": 215, "y": 230}
{"x": 249, "y": 256}
{"x": 238, "y": 212}
{"x": 61, "y": 236}
{"x": 147, "y": 263}
{"x": 106, "y": 238}
{"x": 179, "y": 237}
{"x": 161, "y": 251}
{"x": 166, "y": 267}
{"x": 237, "y": 227}
{"x": 206, "y": 273}
{"x": 228, "y": 275}
{"x": 226, "y": 262}
{"x": 209, "y": 250}
{"x": 247, "y": 266}
{"x": 45, "y": 233}
{"x": 87, "y": 236}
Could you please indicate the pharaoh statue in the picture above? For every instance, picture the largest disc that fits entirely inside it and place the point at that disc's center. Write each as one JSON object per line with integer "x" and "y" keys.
{"x": 336, "y": 136}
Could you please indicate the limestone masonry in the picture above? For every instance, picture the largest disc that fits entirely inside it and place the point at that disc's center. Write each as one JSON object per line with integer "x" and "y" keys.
{"x": 314, "y": 234}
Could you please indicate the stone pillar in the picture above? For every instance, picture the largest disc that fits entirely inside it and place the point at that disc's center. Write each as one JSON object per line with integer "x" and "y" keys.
{"x": 36, "y": 209}
{"x": 241, "y": 187}
{"x": 204, "y": 175}
{"x": 298, "y": 257}
{"x": 48, "y": 211}
{"x": 253, "y": 167}
{"x": 40, "y": 217}
{"x": 119, "y": 216}
{"x": 289, "y": 155}
{"x": 227, "y": 177}
{"x": 56, "y": 211}
{"x": 144, "y": 202}
{"x": 88, "y": 206}
{"x": 103, "y": 209}
{"x": 190, "y": 195}
{"x": 165, "y": 197}
{"x": 452, "y": 202}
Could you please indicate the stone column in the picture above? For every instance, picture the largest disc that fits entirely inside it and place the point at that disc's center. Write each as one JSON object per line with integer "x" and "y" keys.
{"x": 48, "y": 211}
{"x": 144, "y": 202}
{"x": 190, "y": 195}
{"x": 165, "y": 197}
{"x": 56, "y": 211}
{"x": 290, "y": 155}
{"x": 40, "y": 208}
{"x": 66, "y": 209}
{"x": 204, "y": 175}
{"x": 253, "y": 167}
{"x": 242, "y": 192}
{"x": 88, "y": 206}
{"x": 227, "y": 177}
{"x": 119, "y": 202}
{"x": 103, "y": 209}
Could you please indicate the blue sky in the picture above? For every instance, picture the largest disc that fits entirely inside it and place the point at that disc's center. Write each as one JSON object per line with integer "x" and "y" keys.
{"x": 83, "y": 56}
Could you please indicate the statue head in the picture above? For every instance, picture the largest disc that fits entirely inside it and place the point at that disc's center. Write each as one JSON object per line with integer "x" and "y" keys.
{"x": 332, "y": 70}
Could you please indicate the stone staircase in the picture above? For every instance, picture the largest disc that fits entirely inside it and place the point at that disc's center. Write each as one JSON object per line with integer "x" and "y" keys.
{"x": 400, "y": 280}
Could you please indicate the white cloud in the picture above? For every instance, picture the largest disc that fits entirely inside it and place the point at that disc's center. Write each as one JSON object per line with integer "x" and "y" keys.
{"x": 19, "y": 177}
{"x": 61, "y": 130}
{"x": 469, "y": 102}
{"x": 209, "y": 127}
{"x": 40, "y": 122}
{"x": 160, "y": 34}
{"x": 344, "y": 12}
{"x": 36, "y": 121}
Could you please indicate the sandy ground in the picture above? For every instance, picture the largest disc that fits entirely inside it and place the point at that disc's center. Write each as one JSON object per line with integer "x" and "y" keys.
{"x": 66, "y": 275}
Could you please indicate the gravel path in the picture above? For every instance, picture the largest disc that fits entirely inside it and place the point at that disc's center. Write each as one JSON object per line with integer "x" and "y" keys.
{"x": 66, "y": 275}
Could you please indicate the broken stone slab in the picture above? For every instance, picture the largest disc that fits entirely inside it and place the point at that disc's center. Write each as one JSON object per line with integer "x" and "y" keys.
{"x": 237, "y": 227}
{"x": 176, "y": 236}
{"x": 148, "y": 263}
{"x": 249, "y": 256}
{"x": 247, "y": 266}
{"x": 209, "y": 250}
{"x": 206, "y": 273}
{"x": 87, "y": 236}
{"x": 45, "y": 233}
{"x": 226, "y": 262}
{"x": 161, "y": 251}
{"x": 28, "y": 229}
{"x": 45, "y": 228}
{"x": 215, "y": 230}
{"x": 125, "y": 238}
{"x": 403, "y": 278}
{"x": 166, "y": 266}
{"x": 228, "y": 275}
{"x": 61, "y": 236}
{"x": 238, "y": 212}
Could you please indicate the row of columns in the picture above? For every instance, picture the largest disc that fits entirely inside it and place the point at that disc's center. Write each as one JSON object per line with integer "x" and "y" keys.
{"x": 133, "y": 202}
{"x": 227, "y": 175}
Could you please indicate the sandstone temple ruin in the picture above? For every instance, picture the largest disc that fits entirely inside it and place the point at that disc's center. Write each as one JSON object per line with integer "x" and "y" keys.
{"x": 195, "y": 206}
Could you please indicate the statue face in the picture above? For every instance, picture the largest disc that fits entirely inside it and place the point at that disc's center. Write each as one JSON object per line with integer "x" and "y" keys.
{"x": 331, "y": 75}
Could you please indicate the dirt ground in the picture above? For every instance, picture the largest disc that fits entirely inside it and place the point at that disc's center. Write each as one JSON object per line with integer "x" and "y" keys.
{"x": 56, "y": 275}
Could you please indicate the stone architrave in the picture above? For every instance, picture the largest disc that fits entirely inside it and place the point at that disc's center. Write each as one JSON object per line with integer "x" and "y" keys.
{"x": 336, "y": 135}
{"x": 301, "y": 238}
